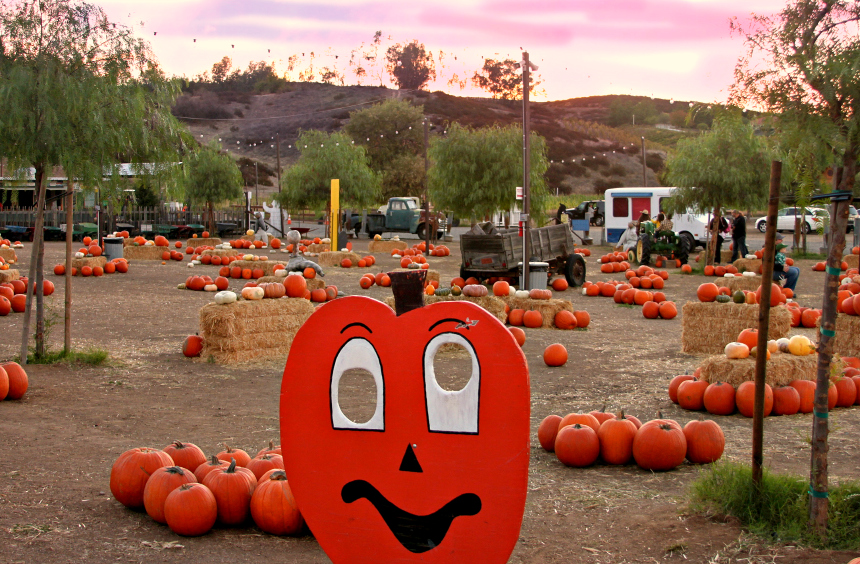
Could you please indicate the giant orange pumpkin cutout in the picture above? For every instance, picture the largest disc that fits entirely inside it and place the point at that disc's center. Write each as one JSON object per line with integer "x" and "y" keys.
{"x": 433, "y": 475}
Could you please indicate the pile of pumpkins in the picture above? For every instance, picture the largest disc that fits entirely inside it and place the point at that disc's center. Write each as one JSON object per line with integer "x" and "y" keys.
{"x": 848, "y": 297}
{"x": 579, "y": 439}
{"x": 564, "y": 319}
{"x": 745, "y": 346}
{"x": 365, "y": 262}
{"x": 720, "y": 398}
{"x": 238, "y": 272}
{"x": 720, "y": 270}
{"x": 294, "y": 286}
{"x": 583, "y": 252}
{"x": 646, "y": 277}
{"x": 13, "y": 381}
{"x": 419, "y": 249}
{"x": 246, "y": 244}
{"x": 4, "y": 265}
{"x": 614, "y": 262}
{"x": 13, "y": 295}
{"x": 710, "y": 292}
{"x": 820, "y": 266}
{"x": 179, "y": 487}
{"x": 119, "y": 265}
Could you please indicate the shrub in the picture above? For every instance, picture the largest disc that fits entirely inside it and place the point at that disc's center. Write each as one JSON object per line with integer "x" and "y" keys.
{"x": 602, "y": 184}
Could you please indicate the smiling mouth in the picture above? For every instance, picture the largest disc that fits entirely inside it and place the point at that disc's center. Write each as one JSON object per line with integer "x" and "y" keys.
{"x": 417, "y": 533}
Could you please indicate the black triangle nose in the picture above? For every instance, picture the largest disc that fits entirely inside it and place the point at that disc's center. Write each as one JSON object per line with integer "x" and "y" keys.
{"x": 410, "y": 461}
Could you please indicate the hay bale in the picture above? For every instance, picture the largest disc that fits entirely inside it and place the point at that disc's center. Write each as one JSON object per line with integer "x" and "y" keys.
{"x": 92, "y": 262}
{"x": 492, "y": 304}
{"x": 251, "y": 330}
{"x": 709, "y": 326}
{"x": 268, "y": 266}
{"x": 9, "y": 275}
{"x": 781, "y": 369}
{"x": 319, "y": 248}
{"x": 431, "y": 274}
{"x": 313, "y": 283}
{"x": 750, "y": 283}
{"x": 334, "y": 258}
{"x": 150, "y": 252}
{"x": 747, "y": 265}
{"x": 220, "y": 252}
{"x": 126, "y": 241}
{"x": 201, "y": 242}
{"x": 853, "y": 261}
{"x": 725, "y": 257}
{"x": 9, "y": 255}
{"x": 386, "y": 246}
{"x": 547, "y": 308}
{"x": 847, "y": 340}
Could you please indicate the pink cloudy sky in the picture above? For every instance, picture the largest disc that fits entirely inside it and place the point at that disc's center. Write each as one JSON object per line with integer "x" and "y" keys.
{"x": 679, "y": 49}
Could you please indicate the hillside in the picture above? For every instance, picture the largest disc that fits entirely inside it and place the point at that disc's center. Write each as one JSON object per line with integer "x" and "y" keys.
{"x": 587, "y": 155}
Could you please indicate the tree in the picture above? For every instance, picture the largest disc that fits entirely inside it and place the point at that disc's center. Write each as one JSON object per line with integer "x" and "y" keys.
{"x": 476, "y": 171}
{"x": 802, "y": 64}
{"x": 503, "y": 80}
{"x": 392, "y": 136}
{"x": 324, "y": 157}
{"x": 212, "y": 177}
{"x": 410, "y": 66}
{"x": 221, "y": 69}
{"x": 728, "y": 166}
{"x": 77, "y": 92}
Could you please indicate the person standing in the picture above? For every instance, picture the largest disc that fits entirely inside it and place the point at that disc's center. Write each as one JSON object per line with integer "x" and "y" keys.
{"x": 739, "y": 235}
{"x": 721, "y": 228}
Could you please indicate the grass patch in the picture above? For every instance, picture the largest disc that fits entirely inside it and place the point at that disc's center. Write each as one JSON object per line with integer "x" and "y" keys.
{"x": 780, "y": 513}
{"x": 799, "y": 254}
{"x": 91, "y": 356}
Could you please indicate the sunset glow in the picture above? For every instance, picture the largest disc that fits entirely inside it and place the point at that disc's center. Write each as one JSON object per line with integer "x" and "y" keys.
{"x": 678, "y": 49}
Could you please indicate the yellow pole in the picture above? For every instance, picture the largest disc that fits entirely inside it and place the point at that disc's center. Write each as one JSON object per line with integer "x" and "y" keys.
{"x": 334, "y": 219}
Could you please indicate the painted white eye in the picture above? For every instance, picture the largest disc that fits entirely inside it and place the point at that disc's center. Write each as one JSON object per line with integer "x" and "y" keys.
{"x": 357, "y": 354}
{"x": 451, "y": 411}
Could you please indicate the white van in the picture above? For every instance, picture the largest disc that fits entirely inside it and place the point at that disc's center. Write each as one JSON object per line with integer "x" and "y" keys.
{"x": 624, "y": 205}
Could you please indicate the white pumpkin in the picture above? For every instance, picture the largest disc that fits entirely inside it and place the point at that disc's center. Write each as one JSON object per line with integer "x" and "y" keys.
{"x": 326, "y": 240}
{"x": 512, "y": 291}
{"x": 196, "y": 262}
{"x": 281, "y": 272}
{"x": 225, "y": 297}
{"x": 728, "y": 275}
{"x": 79, "y": 255}
{"x": 149, "y": 244}
{"x": 750, "y": 274}
{"x": 772, "y": 346}
{"x": 525, "y": 293}
{"x": 782, "y": 344}
{"x": 344, "y": 250}
{"x": 191, "y": 264}
{"x": 750, "y": 257}
{"x": 255, "y": 293}
{"x": 210, "y": 288}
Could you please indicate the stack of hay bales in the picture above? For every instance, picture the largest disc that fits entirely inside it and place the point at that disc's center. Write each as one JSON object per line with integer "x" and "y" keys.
{"x": 201, "y": 242}
{"x": 144, "y": 252}
{"x": 220, "y": 252}
{"x": 747, "y": 265}
{"x": 736, "y": 283}
{"x": 92, "y": 262}
{"x": 334, "y": 258}
{"x": 547, "y": 308}
{"x": 316, "y": 248}
{"x": 250, "y": 330}
{"x": 431, "y": 274}
{"x": 725, "y": 256}
{"x": 9, "y": 275}
{"x": 267, "y": 266}
{"x": 782, "y": 368}
{"x": 386, "y": 246}
{"x": 852, "y": 261}
{"x": 709, "y": 326}
{"x": 492, "y": 304}
{"x": 9, "y": 255}
{"x": 313, "y": 283}
{"x": 847, "y": 339}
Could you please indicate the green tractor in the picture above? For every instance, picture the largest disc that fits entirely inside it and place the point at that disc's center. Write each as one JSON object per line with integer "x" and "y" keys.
{"x": 659, "y": 243}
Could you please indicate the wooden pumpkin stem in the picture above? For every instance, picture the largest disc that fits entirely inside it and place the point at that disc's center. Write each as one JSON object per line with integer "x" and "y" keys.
{"x": 175, "y": 470}
{"x": 214, "y": 460}
{"x": 278, "y": 476}
{"x": 232, "y": 468}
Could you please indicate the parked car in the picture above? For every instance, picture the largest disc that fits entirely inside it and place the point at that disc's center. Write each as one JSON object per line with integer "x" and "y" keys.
{"x": 852, "y": 215}
{"x": 785, "y": 219}
{"x": 599, "y": 217}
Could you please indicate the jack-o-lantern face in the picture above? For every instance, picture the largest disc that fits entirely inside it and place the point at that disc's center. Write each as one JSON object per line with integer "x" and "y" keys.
{"x": 432, "y": 475}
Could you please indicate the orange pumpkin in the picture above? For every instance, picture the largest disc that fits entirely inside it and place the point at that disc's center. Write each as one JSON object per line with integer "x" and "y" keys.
{"x": 705, "y": 441}
{"x": 675, "y": 383}
{"x": 582, "y": 319}
{"x": 616, "y": 440}
{"x": 232, "y": 488}
{"x": 130, "y": 472}
{"x": 745, "y": 399}
{"x": 691, "y": 394}
{"x": 749, "y": 337}
{"x": 659, "y": 446}
{"x": 564, "y": 320}
{"x": 518, "y": 334}
{"x": 532, "y": 319}
{"x": 295, "y": 285}
{"x": 577, "y": 445}
{"x": 273, "y": 506}
{"x": 719, "y": 398}
{"x": 547, "y": 431}
{"x": 786, "y": 401}
{"x": 159, "y": 485}
{"x": 556, "y": 355}
{"x": 707, "y": 292}
{"x": 579, "y": 418}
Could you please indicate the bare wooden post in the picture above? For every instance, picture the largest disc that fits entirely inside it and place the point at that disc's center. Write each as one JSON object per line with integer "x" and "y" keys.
{"x": 67, "y": 315}
{"x": 818, "y": 502}
{"x": 283, "y": 225}
{"x": 428, "y": 225}
{"x": 763, "y": 322}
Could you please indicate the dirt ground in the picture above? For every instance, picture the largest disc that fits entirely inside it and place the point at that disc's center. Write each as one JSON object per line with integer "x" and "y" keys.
{"x": 61, "y": 439}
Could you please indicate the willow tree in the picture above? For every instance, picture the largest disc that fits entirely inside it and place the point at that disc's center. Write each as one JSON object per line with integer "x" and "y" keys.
{"x": 324, "y": 157}
{"x": 77, "y": 91}
{"x": 212, "y": 177}
{"x": 802, "y": 64}
{"x": 475, "y": 172}
{"x": 727, "y": 166}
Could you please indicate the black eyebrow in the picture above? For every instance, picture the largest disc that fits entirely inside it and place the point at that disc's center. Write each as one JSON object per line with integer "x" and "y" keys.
{"x": 445, "y": 321}
{"x": 356, "y": 324}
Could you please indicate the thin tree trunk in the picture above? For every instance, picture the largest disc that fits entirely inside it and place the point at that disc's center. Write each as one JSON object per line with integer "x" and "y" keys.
{"x": 764, "y": 323}
{"x": 40, "y": 298}
{"x": 67, "y": 315}
{"x": 34, "y": 258}
{"x": 818, "y": 502}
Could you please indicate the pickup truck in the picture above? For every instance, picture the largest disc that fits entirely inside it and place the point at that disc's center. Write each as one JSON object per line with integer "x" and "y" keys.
{"x": 400, "y": 215}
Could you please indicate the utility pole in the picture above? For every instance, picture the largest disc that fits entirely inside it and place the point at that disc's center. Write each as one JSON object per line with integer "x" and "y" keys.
{"x": 427, "y": 223}
{"x": 644, "y": 168}
{"x": 524, "y": 216}
{"x": 279, "y": 182}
